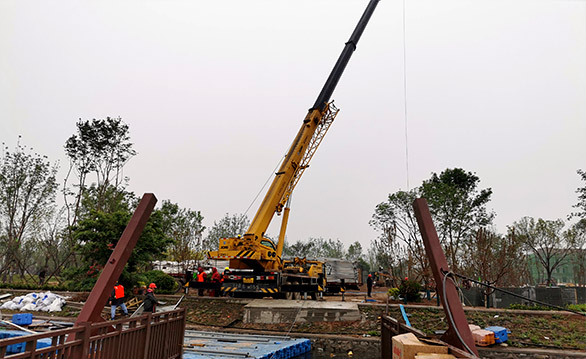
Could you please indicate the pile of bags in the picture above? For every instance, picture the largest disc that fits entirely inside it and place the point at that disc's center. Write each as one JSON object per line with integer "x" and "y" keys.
{"x": 41, "y": 302}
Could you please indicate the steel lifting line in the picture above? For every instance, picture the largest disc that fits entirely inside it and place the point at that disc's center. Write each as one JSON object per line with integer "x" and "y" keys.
{"x": 514, "y": 294}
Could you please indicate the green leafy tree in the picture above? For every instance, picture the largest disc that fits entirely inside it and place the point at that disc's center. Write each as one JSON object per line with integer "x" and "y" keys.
{"x": 547, "y": 241}
{"x": 578, "y": 231}
{"x": 328, "y": 248}
{"x": 299, "y": 249}
{"x": 97, "y": 153}
{"x": 227, "y": 227}
{"x": 576, "y": 234}
{"x": 581, "y": 205}
{"x": 354, "y": 252}
{"x": 27, "y": 195}
{"x": 185, "y": 227}
{"x": 100, "y": 148}
{"x": 98, "y": 232}
{"x": 458, "y": 208}
{"x": 315, "y": 248}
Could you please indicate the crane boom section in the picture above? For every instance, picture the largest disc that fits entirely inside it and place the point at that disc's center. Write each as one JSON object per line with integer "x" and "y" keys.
{"x": 302, "y": 149}
{"x": 253, "y": 250}
{"x": 278, "y": 194}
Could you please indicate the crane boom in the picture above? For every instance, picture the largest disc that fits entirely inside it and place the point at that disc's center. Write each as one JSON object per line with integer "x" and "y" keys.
{"x": 255, "y": 261}
{"x": 317, "y": 121}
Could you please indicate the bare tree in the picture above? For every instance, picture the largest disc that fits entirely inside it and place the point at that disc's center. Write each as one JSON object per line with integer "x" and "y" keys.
{"x": 495, "y": 259}
{"x": 578, "y": 256}
{"x": 397, "y": 226}
{"x": 185, "y": 227}
{"x": 27, "y": 191}
{"x": 228, "y": 226}
{"x": 547, "y": 241}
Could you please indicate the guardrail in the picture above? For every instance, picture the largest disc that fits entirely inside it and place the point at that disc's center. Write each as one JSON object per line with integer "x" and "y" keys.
{"x": 150, "y": 336}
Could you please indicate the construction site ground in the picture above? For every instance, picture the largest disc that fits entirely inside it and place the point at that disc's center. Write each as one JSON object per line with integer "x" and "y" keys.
{"x": 536, "y": 329}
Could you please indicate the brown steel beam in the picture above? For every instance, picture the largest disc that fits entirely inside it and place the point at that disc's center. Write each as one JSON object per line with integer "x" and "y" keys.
{"x": 439, "y": 266}
{"x": 91, "y": 311}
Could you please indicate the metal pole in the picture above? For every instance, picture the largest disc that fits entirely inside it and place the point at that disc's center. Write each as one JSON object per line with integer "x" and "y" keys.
{"x": 99, "y": 295}
{"x": 458, "y": 333}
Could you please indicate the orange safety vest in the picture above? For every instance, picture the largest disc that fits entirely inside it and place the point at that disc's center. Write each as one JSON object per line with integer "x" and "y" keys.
{"x": 118, "y": 291}
{"x": 200, "y": 277}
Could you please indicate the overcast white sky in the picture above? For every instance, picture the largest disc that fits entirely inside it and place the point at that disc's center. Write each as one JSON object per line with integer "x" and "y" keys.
{"x": 215, "y": 91}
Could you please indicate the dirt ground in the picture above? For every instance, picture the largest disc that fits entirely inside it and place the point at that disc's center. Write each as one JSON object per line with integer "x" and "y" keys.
{"x": 556, "y": 330}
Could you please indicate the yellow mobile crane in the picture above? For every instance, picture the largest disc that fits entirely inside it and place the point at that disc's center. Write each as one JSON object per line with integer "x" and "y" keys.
{"x": 256, "y": 265}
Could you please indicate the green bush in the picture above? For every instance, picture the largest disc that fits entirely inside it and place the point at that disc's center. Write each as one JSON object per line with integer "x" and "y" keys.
{"x": 578, "y": 307}
{"x": 529, "y": 307}
{"x": 131, "y": 280}
{"x": 409, "y": 289}
{"x": 393, "y": 293}
{"x": 78, "y": 279}
{"x": 165, "y": 283}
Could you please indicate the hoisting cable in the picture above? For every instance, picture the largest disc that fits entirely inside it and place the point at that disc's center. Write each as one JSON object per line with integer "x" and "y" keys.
{"x": 515, "y": 295}
{"x": 446, "y": 275}
{"x": 292, "y": 324}
{"x": 405, "y": 94}
{"x": 264, "y": 185}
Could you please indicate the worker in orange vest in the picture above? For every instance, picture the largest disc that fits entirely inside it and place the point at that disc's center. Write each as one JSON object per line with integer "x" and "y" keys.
{"x": 200, "y": 278}
{"x": 117, "y": 300}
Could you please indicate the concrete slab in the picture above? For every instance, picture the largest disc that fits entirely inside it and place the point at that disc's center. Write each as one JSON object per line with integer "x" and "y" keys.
{"x": 289, "y": 311}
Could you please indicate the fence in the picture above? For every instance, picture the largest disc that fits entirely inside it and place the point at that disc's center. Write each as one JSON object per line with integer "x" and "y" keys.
{"x": 150, "y": 336}
{"x": 558, "y": 296}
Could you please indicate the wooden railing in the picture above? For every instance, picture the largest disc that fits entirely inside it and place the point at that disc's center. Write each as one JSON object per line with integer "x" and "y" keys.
{"x": 391, "y": 327}
{"x": 150, "y": 336}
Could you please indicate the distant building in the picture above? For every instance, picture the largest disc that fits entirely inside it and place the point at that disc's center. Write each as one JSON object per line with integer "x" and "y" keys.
{"x": 571, "y": 271}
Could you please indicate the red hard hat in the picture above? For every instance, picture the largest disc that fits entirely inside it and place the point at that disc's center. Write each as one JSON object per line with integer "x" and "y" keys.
{"x": 370, "y": 275}
{"x": 152, "y": 285}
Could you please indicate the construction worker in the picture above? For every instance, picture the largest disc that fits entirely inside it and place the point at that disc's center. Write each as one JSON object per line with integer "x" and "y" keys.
{"x": 200, "y": 279}
{"x": 117, "y": 300}
{"x": 150, "y": 302}
{"x": 369, "y": 285}
{"x": 216, "y": 278}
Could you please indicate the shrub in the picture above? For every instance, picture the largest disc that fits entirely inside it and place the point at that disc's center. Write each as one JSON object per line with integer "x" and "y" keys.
{"x": 409, "y": 289}
{"x": 165, "y": 283}
{"x": 578, "y": 307}
{"x": 77, "y": 279}
{"x": 529, "y": 307}
{"x": 393, "y": 293}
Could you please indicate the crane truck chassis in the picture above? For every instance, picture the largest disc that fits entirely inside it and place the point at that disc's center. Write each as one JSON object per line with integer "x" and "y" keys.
{"x": 256, "y": 266}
